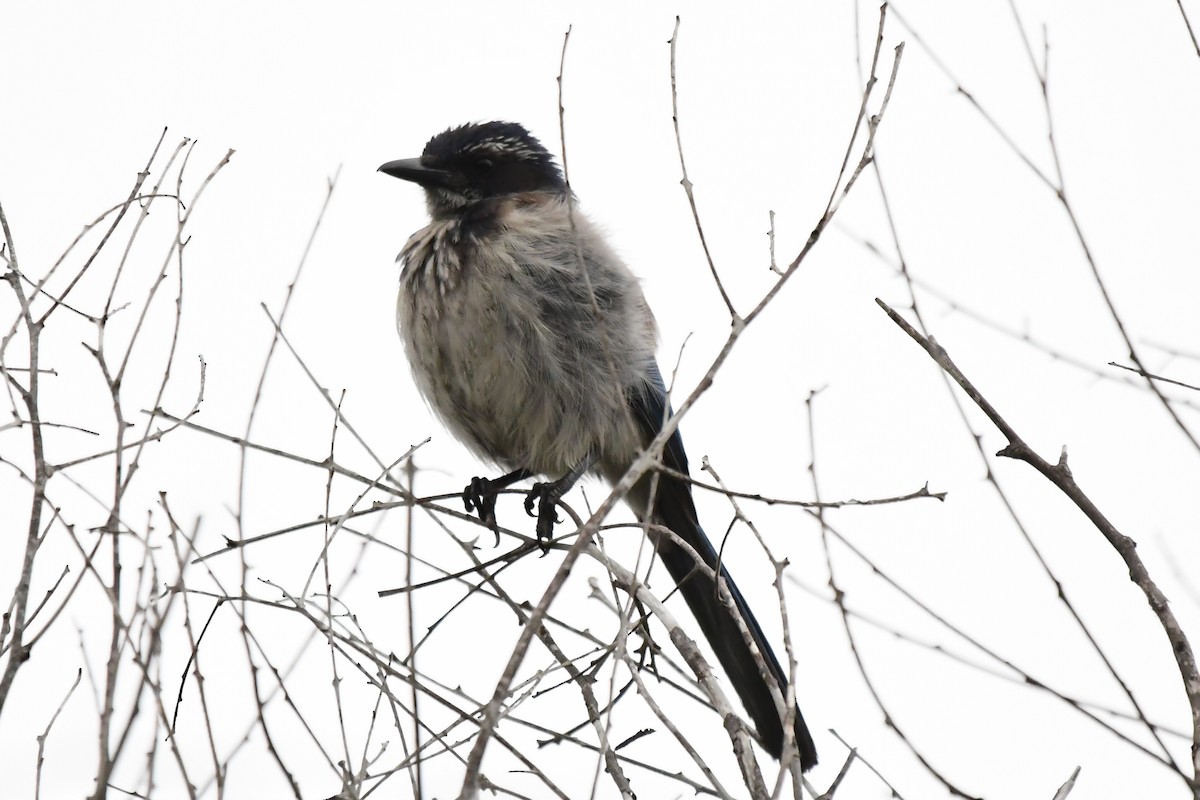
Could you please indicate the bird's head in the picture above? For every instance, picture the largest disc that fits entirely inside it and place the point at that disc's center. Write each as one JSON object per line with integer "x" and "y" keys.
{"x": 473, "y": 162}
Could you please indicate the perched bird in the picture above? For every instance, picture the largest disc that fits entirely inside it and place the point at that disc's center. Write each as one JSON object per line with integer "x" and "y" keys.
{"x": 533, "y": 342}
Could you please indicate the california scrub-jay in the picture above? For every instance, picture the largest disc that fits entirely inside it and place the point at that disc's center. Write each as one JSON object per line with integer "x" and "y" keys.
{"x": 546, "y": 369}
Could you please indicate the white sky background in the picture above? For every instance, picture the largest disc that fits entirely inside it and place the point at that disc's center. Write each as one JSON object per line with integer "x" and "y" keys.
{"x": 767, "y": 98}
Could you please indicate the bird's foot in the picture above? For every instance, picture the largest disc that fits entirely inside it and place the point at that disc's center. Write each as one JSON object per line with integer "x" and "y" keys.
{"x": 546, "y": 496}
{"x": 480, "y": 496}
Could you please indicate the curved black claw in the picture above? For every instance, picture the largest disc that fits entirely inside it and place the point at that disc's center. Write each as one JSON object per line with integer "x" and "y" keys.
{"x": 480, "y": 495}
{"x": 546, "y": 496}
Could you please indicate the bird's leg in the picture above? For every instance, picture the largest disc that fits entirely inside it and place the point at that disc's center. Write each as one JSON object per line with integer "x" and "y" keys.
{"x": 546, "y": 495}
{"x": 480, "y": 495}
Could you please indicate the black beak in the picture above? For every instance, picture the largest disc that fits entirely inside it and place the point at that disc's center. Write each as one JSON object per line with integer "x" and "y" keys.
{"x": 411, "y": 169}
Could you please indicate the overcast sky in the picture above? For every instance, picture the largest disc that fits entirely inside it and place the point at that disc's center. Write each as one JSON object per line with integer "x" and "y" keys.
{"x": 767, "y": 99}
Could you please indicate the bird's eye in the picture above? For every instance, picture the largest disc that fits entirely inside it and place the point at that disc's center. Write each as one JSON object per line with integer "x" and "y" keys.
{"x": 484, "y": 166}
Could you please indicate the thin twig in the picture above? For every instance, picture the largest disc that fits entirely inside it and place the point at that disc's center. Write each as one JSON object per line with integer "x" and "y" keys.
{"x": 41, "y": 739}
{"x": 1188, "y": 23}
{"x": 686, "y": 182}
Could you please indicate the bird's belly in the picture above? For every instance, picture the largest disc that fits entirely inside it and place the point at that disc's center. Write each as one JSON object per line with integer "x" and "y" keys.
{"x": 504, "y": 383}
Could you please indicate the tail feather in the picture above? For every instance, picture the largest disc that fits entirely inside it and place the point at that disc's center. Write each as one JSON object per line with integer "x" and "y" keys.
{"x": 674, "y": 507}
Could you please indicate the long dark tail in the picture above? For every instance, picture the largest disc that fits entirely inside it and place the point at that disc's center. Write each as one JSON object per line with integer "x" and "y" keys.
{"x": 673, "y": 507}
